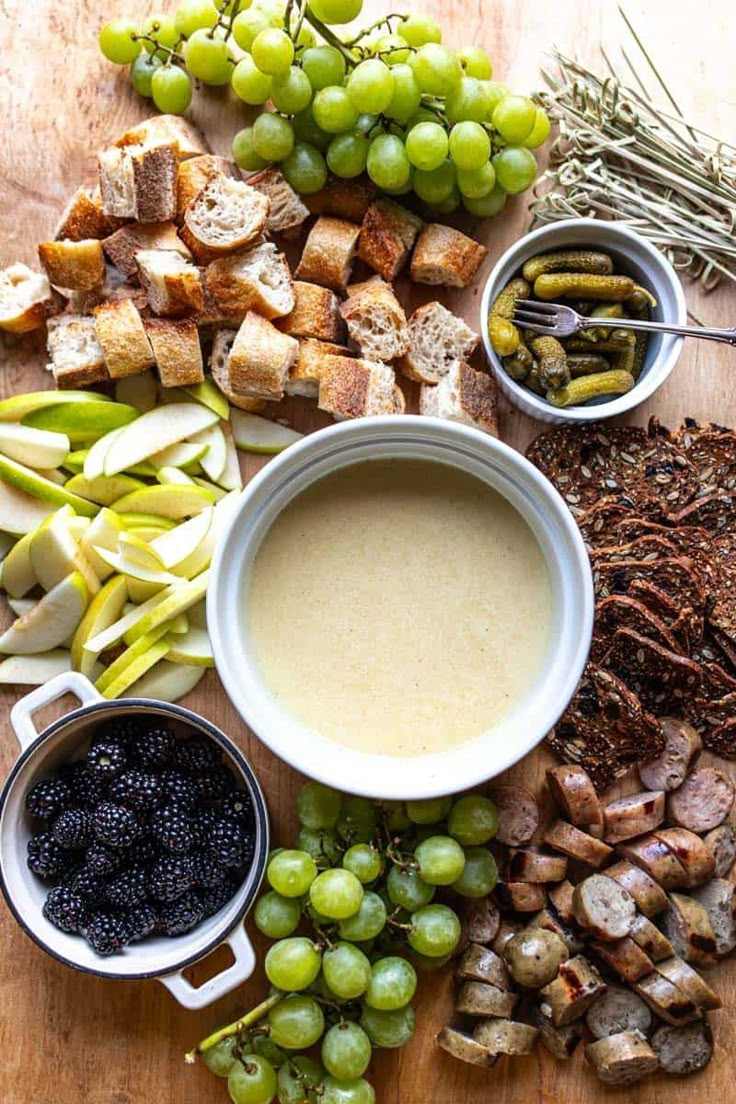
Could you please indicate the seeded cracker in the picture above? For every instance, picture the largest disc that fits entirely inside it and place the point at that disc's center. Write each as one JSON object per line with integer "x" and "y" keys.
{"x": 722, "y": 740}
{"x": 619, "y": 612}
{"x": 722, "y": 613}
{"x": 649, "y": 547}
{"x": 596, "y": 523}
{"x": 661, "y": 679}
{"x": 685, "y": 623}
{"x": 675, "y": 575}
{"x": 711, "y": 449}
{"x": 714, "y": 512}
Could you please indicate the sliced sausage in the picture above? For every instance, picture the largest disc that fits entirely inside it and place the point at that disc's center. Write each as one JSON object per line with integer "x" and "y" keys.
{"x": 688, "y": 928}
{"x": 683, "y": 1049}
{"x": 550, "y": 921}
{"x": 657, "y": 859}
{"x": 622, "y": 1059}
{"x": 624, "y": 957}
{"x": 482, "y": 964}
{"x": 481, "y": 919}
{"x": 525, "y": 865}
{"x": 633, "y": 815}
{"x": 668, "y": 770}
{"x": 506, "y": 1036}
{"x": 507, "y": 929}
{"x": 603, "y": 907}
{"x": 690, "y": 983}
{"x": 718, "y": 898}
{"x": 616, "y": 1010}
{"x": 561, "y": 899}
{"x": 703, "y": 801}
{"x": 518, "y": 814}
{"x": 572, "y": 992}
{"x": 695, "y": 857}
{"x": 666, "y": 1000}
{"x": 722, "y": 844}
{"x": 465, "y": 1048}
{"x": 574, "y": 793}
{"x": 534, "y": 956}
{"x": 559, "y": 1041}
{"x": 651, "y": 940}
{"x": 521, "y": 896}
{"x": 475, "y": 998}
{"x": 648, "y": 894}
{"x": 574, "y": 843}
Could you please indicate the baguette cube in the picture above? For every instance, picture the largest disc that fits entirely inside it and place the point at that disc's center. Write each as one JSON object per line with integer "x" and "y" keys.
{"x": 287, "y": 212}
{"x": 316, "y": 313}
{"x": 173, "y": 285}
{"x": 376, "y": 321}
{"x": 76, "y": 355}
{"x": 77, "y": 265}
{"x": 304, "y": 374}
{"x": 123, "y": 246}
{"x": 83, "y": 217}
{"x": 120, "y": 332}
{"x": 258, "y": 280}
{"x": 387, "y": 237}
{"x": 195, "y": 174}
{"x": 26, "y": 299}
{"x": 445, "y": 256}
{"x": 175, "y": 344}
{"x": 260, "y": 359}
{"x": 166, "y": 130}
{"x": 329, "y": 253}
{"x": 343, "y": 199}
{"x": 226, "y": 215}
{"x": 139, "y": 182}
{"x": 464, "y": 395}
{"x": 222, "y": 343}
{"x": 350, "y": 388}
{"x": 438, "y": 341}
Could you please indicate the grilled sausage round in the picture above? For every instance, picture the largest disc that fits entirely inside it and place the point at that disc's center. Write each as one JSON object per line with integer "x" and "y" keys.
{"x": 534, "y": 956}
{"x": 683, "y": 1049}
{"x": 526, "y": 865}
{"x": 722, "y": 843}
{"x": 624, "y": 957}
{"x": 506, "y": 1036}
{"x": 688, "y": 928}
{"x": 571, "y": 841}
{"x": 559, "y": 1041}
{"x": 481, "y": 918}
{"x": 633, "y": 816}
{"x": 521, "y": 897}
{"x": 668, "y": 770}
{"x": 718, "y": 897}
{"x": 573, "y": 791}
{"x": 622, "y": 1059}
{"x": 667, "y": 1000}
{"x": 604, "y": 907}
{"x": 689, "y": 984}
{"x": 693, "y": 853}
{"x": 464, "y": 1047}
{"x": 475, "y": 998}
{"x": 518, "y": 814}
{"x": 482, "y": 964}
{"x": 703, "y": 801}
{"x": 648, "y": 894}
{"x": 616, "y": 1010}
{"x": 651, "y": 940}
{"x": 657, "y": 859}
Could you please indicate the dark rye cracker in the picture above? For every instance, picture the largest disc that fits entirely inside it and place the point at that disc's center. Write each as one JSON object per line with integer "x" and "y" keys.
{"x": 675, "y": 575}
{"x": 687, "y": 540}
{"x": 661, "y": 679}
{"x": 711, "y": 449}
{"x": 685, "y": 624}
{"x": 596, "y": 522}
{"x": 621, "y": 612}
{"x": 605, "y": 728}
{"x": 721, "y": 614}
{"x": 649, "y": 547}
{"x": 722, "y": 739}
{"x": 714, "y": 512}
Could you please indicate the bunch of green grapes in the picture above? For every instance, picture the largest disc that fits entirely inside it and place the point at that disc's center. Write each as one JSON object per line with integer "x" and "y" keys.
{"x": 353, "y": 914}
{"x": 391, "y": 100}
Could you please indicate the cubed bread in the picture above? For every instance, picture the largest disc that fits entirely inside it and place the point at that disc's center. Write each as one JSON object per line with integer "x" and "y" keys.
{"x": 258, "y": 279}
{"x": 175, "y": 344}
{"x": 260, "y": 359}
{"x": 350, "y": 388}
{"x": 122, "y": 246}
{"x": 226, "y": 215}
{"x": 387, "y": 237}
{"x": 26, "y": 299}
{"x": 345, "y": 199}
{"x": 195, "y": 173}
{"x": 164, "y": 130}
{"x": 173, "y": 285}
{"x": 399, "y": 401}
{"x": 120, "y": 332}
{"x": 438, "y": 341}
{"x": 463, "y": 395}
{"x": 75, "y": 353}
{"x": 139, "y": 182}
{"x": 287, "y": 212}
{"x": 78, "y": 265}
{"x": 376, "y": 322}
{"x": 222, "y": 343}
{"x": 329, "y": 253}
{"x": 83, "y": 217}
{"x": 305, "y": 372}
{"x": 316, "y": 314}
{"x": 443, "y": 255}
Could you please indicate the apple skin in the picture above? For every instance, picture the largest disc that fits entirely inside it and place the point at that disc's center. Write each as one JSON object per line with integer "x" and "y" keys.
{"x": 83, "y": 423}
{"x": 26, "y": 479}
{"x": 154, "y": 431}
{"x": 170, "y": 500}
{"x": 51, "y": 621}
{"x": 255, "y": 434}
{"x": 18, "y": 407}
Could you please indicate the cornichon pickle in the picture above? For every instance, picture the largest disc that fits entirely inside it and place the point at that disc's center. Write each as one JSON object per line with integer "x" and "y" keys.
{"x": 568, "y": 260}
{"x": 533, "y": 381}
{"x": 501, "y": 330}
{"x": 519, "y": 364}
{"x": 602, "y": 310}
{"x": 626, "y": 359}
{"x": 581, "y": 285}
{"x": 639, "y": 301}
{"x": 586, "y": 364}
{"x": 640, "y": 352}
{"x": 551, "y": 361}
{"x": 585, "y": 388}
{"x": 614, "y": 343}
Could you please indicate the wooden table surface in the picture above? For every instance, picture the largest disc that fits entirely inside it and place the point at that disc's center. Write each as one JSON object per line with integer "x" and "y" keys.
{"x": 70, "y": 1039}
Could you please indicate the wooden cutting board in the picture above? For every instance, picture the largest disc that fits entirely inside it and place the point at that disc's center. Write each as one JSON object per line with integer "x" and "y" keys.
{"x": 70, "y": 1039}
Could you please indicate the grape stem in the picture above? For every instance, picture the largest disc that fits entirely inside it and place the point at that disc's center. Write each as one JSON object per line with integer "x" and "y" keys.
{"x": 159, "y": 49}
{"x": 329, "y": 37}
{"x": 235, "y": 1028}
{"x": 385, "y": 22}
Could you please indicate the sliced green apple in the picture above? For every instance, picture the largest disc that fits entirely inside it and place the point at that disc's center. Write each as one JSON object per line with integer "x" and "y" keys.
{"x": 136, "y": 669}
{"x": 168, "y": 499}
{"x": 172, "y": 601}
{"x": 134, "y": 547}
{"x": 19, "y": 407}
{"x": 147, "y": 532}
{"x": 166, "y": 682}
{"x": 104, "y": 609}
{"x": 174, "y": 475}
{"x": 35, "y": 670}
{"x": 140, "y": 592}
{"x": 113, "y": 633}
{"x": 104, "y": 530}
{"x": 94, "y": 460}
{"x": 75, "y": 463}
{"x": 217, "y": 493}
{"x": 78, "y": 526}
{"x": 139, "y": 391}
{"x": 133, "y": 569}
{"x": 182, "y": 455}
{"x": 198, "y": 615}
{"x": 134, "y": 652}
{"x": 83, "y": 422}
{"x": 20, "y": 512}
{"x": 54, "y": 553}
{"x": 17, "y": 575}
{"x": 51, "y": 620}
{"x": 255, "y": 434}
{"x": 35, "y": 447}
{"x": 192, "y": 648}
{"x": 209, "y": 394}
{"x": 136, "y": 519}
{"x": 19, "y": 606}
{"x": 154, "y": 431}
{"x": 214, "y": 460}
{"x": 103, "y": 489}
{"x": 231, "y": 477}
{"x": 25, "y": 479}
{"x": 179, "y": 543}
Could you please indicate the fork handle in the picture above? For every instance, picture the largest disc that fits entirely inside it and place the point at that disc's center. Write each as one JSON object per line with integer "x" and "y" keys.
{"x": 727, "y": 336}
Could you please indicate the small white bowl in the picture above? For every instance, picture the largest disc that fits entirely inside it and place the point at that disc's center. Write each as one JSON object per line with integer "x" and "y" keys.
{"x": 633, "y": 256}
{"x": 383, "y": 438}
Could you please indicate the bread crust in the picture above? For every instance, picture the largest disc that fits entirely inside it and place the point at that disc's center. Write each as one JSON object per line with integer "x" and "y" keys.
{"x": 78, "y": 265}
{"x": 163, "y": 130}
{"x": 221, "y": 344}
{"x": 287, "y": 211}
{"x": 465, "y": 396}
{"x": 305, "y": 372}
{"x": 173, "y": 286}
{"x": 445, "y": 256}
{"x": 316, "y": 314}
{"x": 122, "y": 246}
{"x": 175, "y": 344}
{"x": 246, "y": 225}
{"x": 76, "y": 356}
{"x": 83, "y": 217}
{"x": 329, "y": 253}
{"x": 154, "y": 182}
{"x": 26, "y": 299}
{"x": 343, "y": 199}
{"x": 387, "y": 237}
{"x": 120, "y": 332}
{"x": 260, "y": 359}
{"x": 351, "y": 388}
{"x": 438, "y": 341}
{"x": 376, "y": 321}
{"x": 235, "y": 287}
{"x": 195, "y": 173}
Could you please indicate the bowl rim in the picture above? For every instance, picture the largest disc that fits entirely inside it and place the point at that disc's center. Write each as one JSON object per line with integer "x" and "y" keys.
{"x": 660, "y": 369}
{"x": 260, "y": 810}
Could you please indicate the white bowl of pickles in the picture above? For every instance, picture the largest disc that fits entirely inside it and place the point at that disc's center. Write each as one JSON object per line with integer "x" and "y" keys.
{"x": 601, "y": 269}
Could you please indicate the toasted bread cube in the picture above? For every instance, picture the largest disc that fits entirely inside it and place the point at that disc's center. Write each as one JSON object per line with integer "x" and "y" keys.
{"x": 344, "y": 199}
{"x": 464, "y": 395}
{"x": 376, "y": 321}
{"x": 26, "y": 299}
{"x": 173, "y": 285}
{"x": 316, "y": 314}
{"x": 305, "y": 372}
{"x": 260, "y": 359}
{"x": 78, "y": 265}
{"x": 287, "y": 212}
{"x": 120, "y": 332}
{"x": 122, "y": 246}
{"x": 166, "y": 130}
{"x": 329, "y": 253}
{"x": 175, "y": 344}
{"x": 226, "y": 215}
{"x": 438, "y": 341}
{"x": 139, "y": 182}
{"x": 76, "y": 355}
{"x": 387, "y": 237}
{"x": 399, "y": 401}
{"x": 195, "y": 174}
{"x": 350, "y": 388}
{"x": 445, "y": 256}
{"x": 83, "y": 217}
{"x": 258, "y": 280}
{"x": 222, "y": 343}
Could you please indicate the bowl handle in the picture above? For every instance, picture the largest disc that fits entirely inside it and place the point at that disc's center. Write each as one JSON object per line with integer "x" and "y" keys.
{"x": 222, "y": 983}
{"x": 70, "y": 682}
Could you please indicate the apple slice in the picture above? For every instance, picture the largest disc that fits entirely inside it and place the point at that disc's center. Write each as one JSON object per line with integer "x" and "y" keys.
{"x": 135, "y": 548}
{"x": 181, "y": 542}
{"x": 255, "y": 434}
{"x": 231, "y": 478}
{"x": 136, "y": 669}
{"x": 35, "y": 447}
{"x": 168, "y": 499}
{"x": 82, "y": 422}
{"x": 75, "y": 464}
{"x": 94, "y": 460}
{"x": 217, "y": 493}
{"x": 133, "y": 569}
{"x": 134, "y": 652}
{"x": 166, "y": 682}
{"x": 198, "y": 615}
{"x": 209, "y": 394}
{"x": 78, "y": 526}
{"x": 184, "y": 454}
{"x": 112, "y": 634}
{"x": 54, "y": 475}
{"x": 21, "y": 513}
{"x": 139, "y": 391}
{"x": 54, "y": 553}
{"x": 19, "y": 407}
{"x": 175, "y": 476}
{"x": 173, "y": 600}
{"x": 35, "y": 670}
{"x": 17, "y": 575}
{"x": 104, "y": 530}
{"x": 103, "y": 610}
{"x": 51, "y": 620}
{"x": 19, "y": 606}
{"x": 154, "y": 431}
{"x": 104, "y": 489}
{"x": 137, "y": 518}
{"x": 140, "y": 592}
{"x": 192, "y": 648}
{"x": 146, "y": 532}
{"x": 25, "y": 479}
{"x": 214, "y": 460}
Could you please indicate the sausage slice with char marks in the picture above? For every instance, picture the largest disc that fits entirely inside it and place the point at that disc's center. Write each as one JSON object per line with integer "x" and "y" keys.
{"x": 666, "y": 999}
{"x": 648, "y": 894}
{"x": 633, "y": 816}
{"x": 521, "y": 897}
{"x": 518, "y": 811}
{"x": 651, "y": 940}
{"x": 625, "y": 958}
{"x": 548, "y": 920}
{"x": 695, "y": 857}
{"x": 722, "y": 843}
{"x": 577, "y": 844}
{"x": 687, "y": 925}
{"x": 690, "y": 983}
{"x": 683, "y": 1050}
{"x": 668, "y": 770}
{"x": 507, "y": 929}
{"x": 475, "y": 998}
{"x": 572, "y": 992}
{"x": 718, "y": 898}
{"x": 622, "y": 1059}
{"x": 618, "y": 1009}
{"x": 703, "y": 801}
{"x": 506, "y": 1036}
{"x": 657, "y": 859}
{"x": 525, "y": 865}
{"x": 603, "y": 907}
{"x": 465, "y": 1048}
{"x": 559, "y": 1041}
{"x": 482, "y": 964}
{"x": 534, "y": 956}
{"x": 482, "y": 919}
{"x": 573, "y": 791}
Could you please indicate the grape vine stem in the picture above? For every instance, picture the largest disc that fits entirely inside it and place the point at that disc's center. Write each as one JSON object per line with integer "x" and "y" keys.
{"x": 236, "y": 1027}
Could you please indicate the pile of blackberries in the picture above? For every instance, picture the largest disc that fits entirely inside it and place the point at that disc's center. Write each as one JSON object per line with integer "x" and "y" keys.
{"x": 147, "y": 835}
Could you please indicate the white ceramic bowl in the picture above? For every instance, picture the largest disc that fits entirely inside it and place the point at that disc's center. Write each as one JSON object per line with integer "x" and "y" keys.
{"x": 633, "y": 256}
{"x": 156, "y": 957}
{"x": 408, "y": 437}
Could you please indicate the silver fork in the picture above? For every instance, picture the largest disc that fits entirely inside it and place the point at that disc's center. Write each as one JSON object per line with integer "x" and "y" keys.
{"x": 560, "y": 321}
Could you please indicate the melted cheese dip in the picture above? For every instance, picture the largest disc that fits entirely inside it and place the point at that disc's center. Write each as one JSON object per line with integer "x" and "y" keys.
{"x": 399, "y": 607}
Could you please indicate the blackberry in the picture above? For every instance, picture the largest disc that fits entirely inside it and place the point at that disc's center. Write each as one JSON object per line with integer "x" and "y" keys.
{"x": 171, "y": 876}
{"x": 72, "y": 828}
{"x": 48, "y": 798}
{"x": 180, "y": 789}
{"x": 182, "y": 915}
{"x": 101, "y": 859}
{"x": 207, "y": 871}
{"x": 115, "y": 824}
{"x": 172, "y": 827}
{"x": 65, "y": 909}
{"x": 196, "y": 755}
{"x": 154, "y": 747}
{"x": 46, "y": 858}
{"x": 215, "y": 782}
{"x": 140, "y": 921}
{"x": 138, "y": 788}
{"x": 123, "y": 729}
{"x": 86, "y": 789}
{"x": 146, "y": 850}
{"x": 230, "y": 843}
{"x": 107, "y": 933}
{"x": 130, "y": 887}
{"x": 107, "y": 758}
{"x": 88, "y": 885}
{"x": 217, "y": 897}
{"x": 204, "y": 822}
{"x": 237, "y": 806}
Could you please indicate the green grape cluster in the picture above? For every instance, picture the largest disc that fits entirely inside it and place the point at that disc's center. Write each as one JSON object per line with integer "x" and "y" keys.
{"x": 352, "y": 913}
{"x": 391, "y": 101}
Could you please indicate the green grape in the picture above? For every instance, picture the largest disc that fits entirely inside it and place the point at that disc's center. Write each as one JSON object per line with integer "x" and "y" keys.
{"x": 252, "y": 1081}
{"x": 346, "y": 970}
{"x": 273, "y": 138}
{"x": 274, "y": 10}
{"x": 245, "y": 157}
{"x": 324, "y": 65}
{"x": 306, "y": 38}
{"x": 368, "y": 922}
{"x": 487, "y": 205}
{"x": 480, "y": 874}
{"x": 516, "y": 169}
{"x": 292, "y": 964}
{"x": 419, "y": 29}
{"x": 402, "y": 189}
{"x": 447, "y": 206}
{"x": 441, "y": 859}
{"x": 467, "y": 102}
{"x": 193, "y": 15}
{"x": 249, "y": 84}
{"x": 396, "y": 817}
{"x": 366, "y": 122}
{"x": 437, "y": 70}
{"x": 437, "y": 185}
{"x": 207, "y": 58}
{"x": 408, "y": 889}
{"x": 476, "y": 183}
{"x": 426, "y": 148}
{"x": 118, "y": 41}
{"x": 473, "y": 818}
{"x": 429, "y": 965}
{"x": 347, "y": 155}
{"x": 266, "y": 1047}
{"x": 346, "y": 1051}
{"x": 336, "y": 11}
{"x": 407, "y": 94}
{"x": 171, "y": 90}
{"x": 388, "y": 166}
{"x": 318, "y": 806}
{"x": 514, "y": 118}
{"x": 359, "y": 816}
{"x": 290, "y": 873}
{"x": 247, "y": 25}
{"x": 297, "y": 1080}
{"x": 475, "y": 62}
{"x": 162, "y": 29}
{"x": 322, "y": 845}
{"x": 388, "y": 1029}
{"x": 470, "y": 146}
{"x": 430, "y": 810}
{"x": 364, "y": 861}
{"x": 307, "y": 130}
{"x": 273, "y": 51}
{"x": 333, "y": 110}
{"x": 277, "y": 916}
{"x": 371, "y": 86}
{"x": 347, "y": 1092}
{"x": 495, "y": 92}
{"x": 435, "y": 931}
{"x": 274, "y": 852}
{"x": 336, "y": 894}
{"x": 141, "y": 73}
{"x": 540, "y": 130}
{"x": 305, "y": 169}
{"x": 393, "y": 983}
{"x": 221, "y": 1058}
{"x": 393, "y": 49}
{"x": 297, "y": 1022}
{"x": 291, "y": 92}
